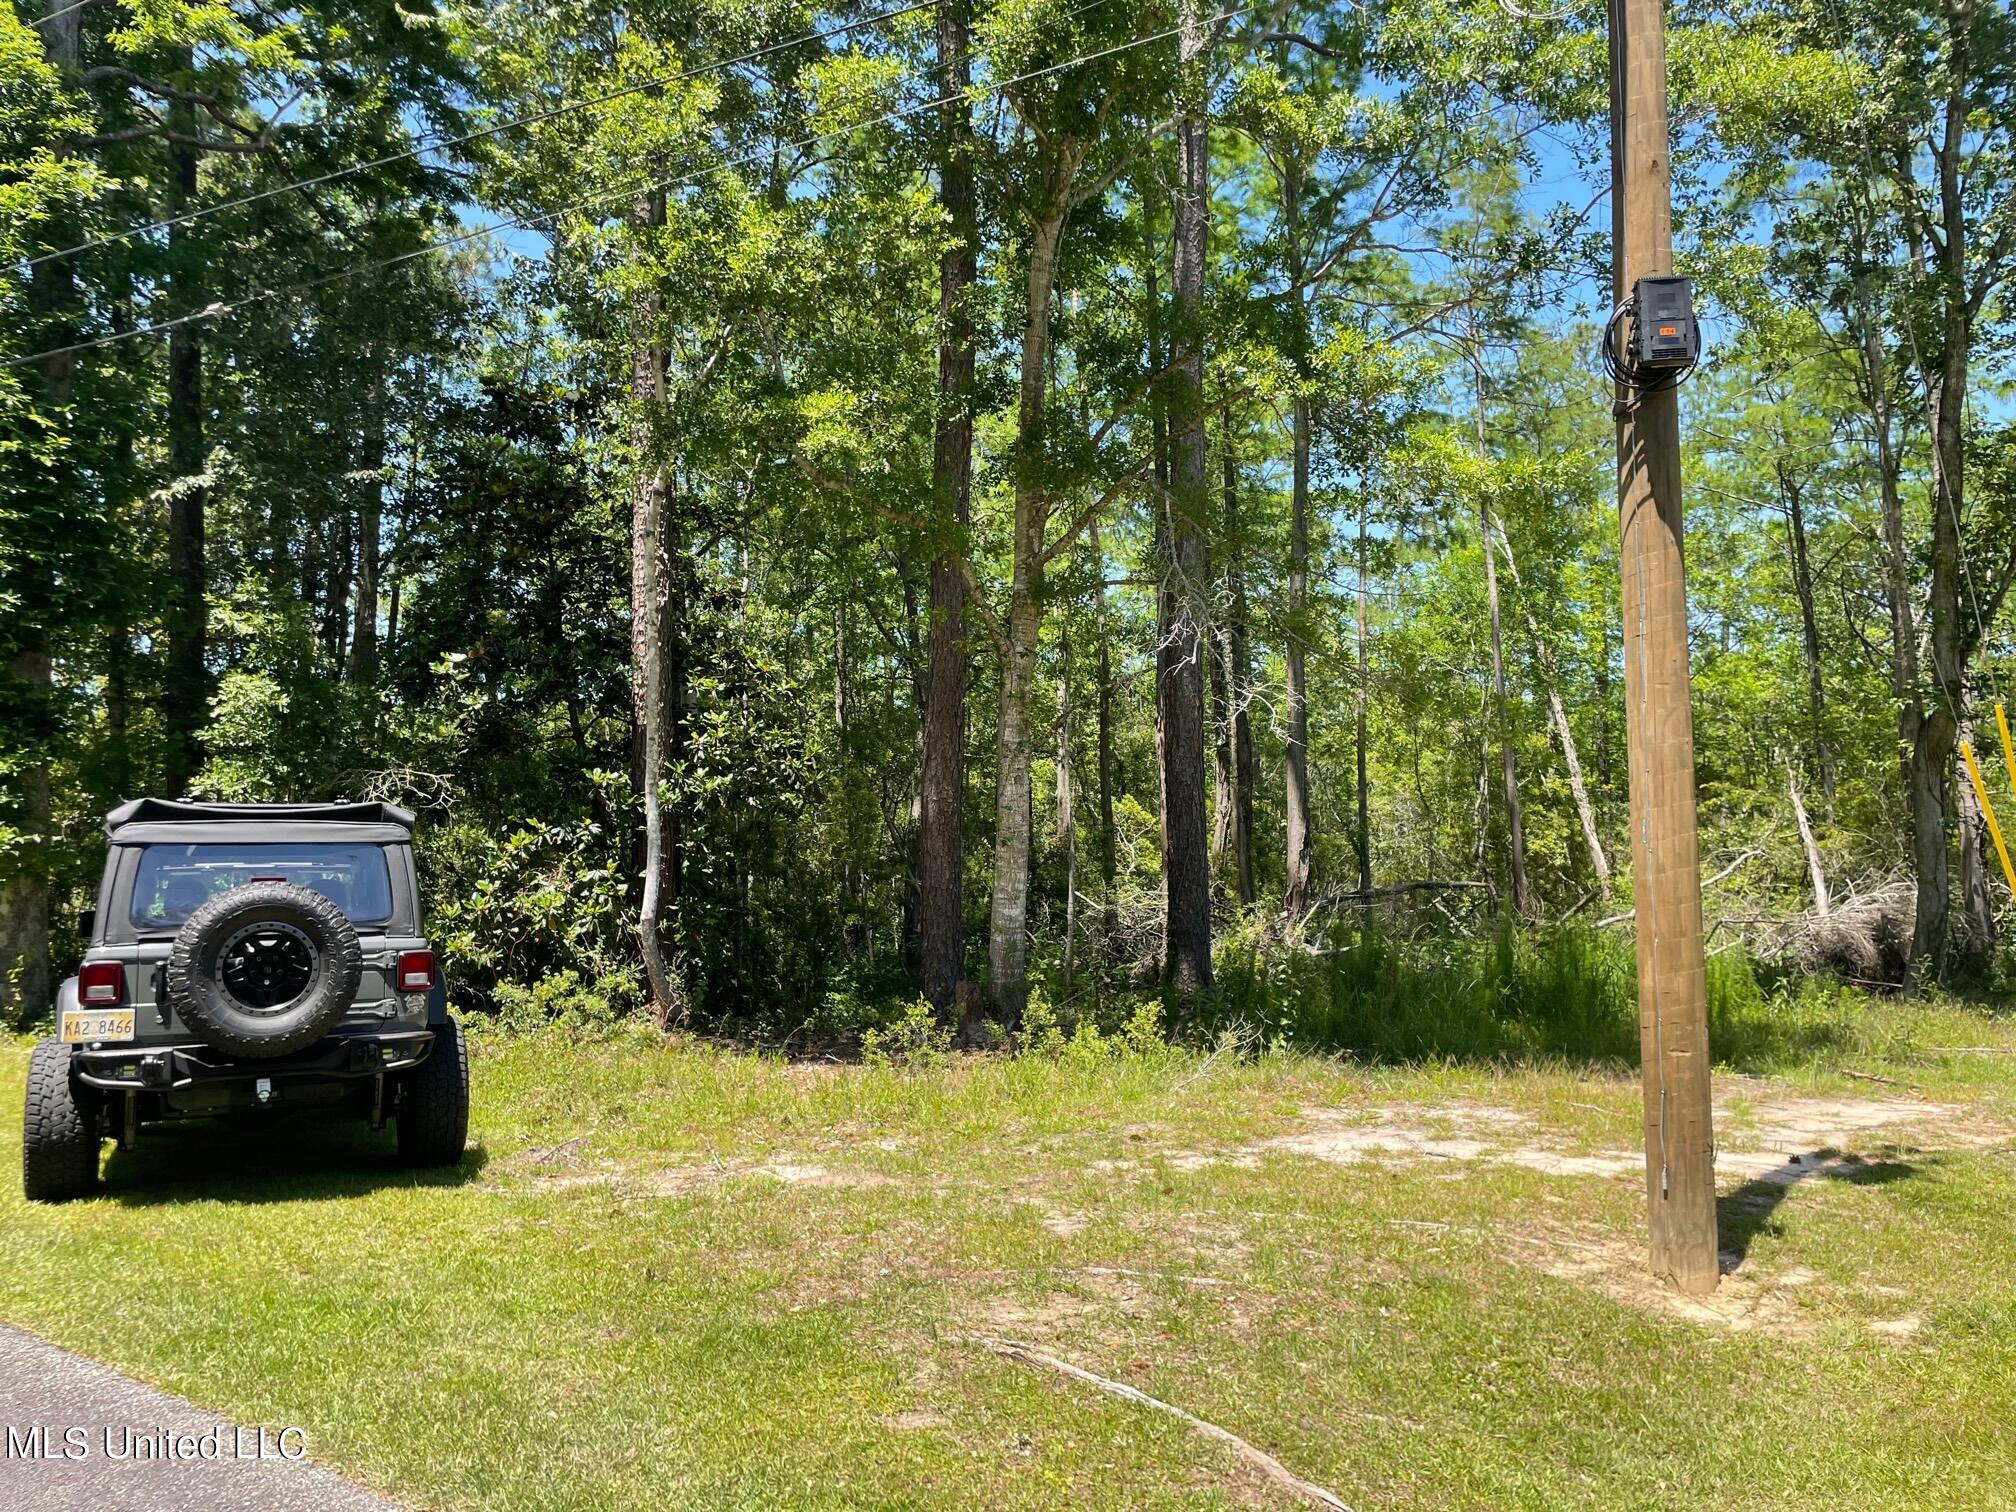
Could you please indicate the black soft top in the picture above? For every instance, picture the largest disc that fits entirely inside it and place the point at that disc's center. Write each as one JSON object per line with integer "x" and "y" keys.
{"x": 237, "y": 820}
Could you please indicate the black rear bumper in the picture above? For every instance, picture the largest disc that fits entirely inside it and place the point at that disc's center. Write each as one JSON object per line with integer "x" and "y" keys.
{"x": 181, "y": 1067}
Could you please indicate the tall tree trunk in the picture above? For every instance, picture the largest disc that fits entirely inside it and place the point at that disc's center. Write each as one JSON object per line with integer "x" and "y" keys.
{"x": 1300, "y": 836}
{"x": 336, "y": 593}
{"x": 119, "y": 764}
{"x": 1515, "y": 824}
{"x": 25, "y": 978}
{"x": 1239, "y": 680}
{"x": 1299, "y": 842}
{"x": 941, "y": 782}
{"x": 652, "y": 685}
{"x": 652, "y": 690}
{"x": 1932, "y": 732}
{"x": 1955, "y": 637}
{"x": 1792, "y": 492}
{"x": 1585, "y": 811}
{"x": 1186, "y": 866}
{"x": 1067, "y": 818}
{"x": 1481, "y": 808}
{"x": 1362, "y": 841}
{"x": 1109, "y": 850}
{"x": 1923, "y": 787}
{"x": 363, "y": 668}
{"x": 840, "y": 708}
{"x": 119, "y": 709}
{"x": 1220, "y": 654}
{"x": 1929, "y": 737}
{"x": 1008, "y": 909}
{"x": 185, "y": 690}
{"x": 855, "y": 933}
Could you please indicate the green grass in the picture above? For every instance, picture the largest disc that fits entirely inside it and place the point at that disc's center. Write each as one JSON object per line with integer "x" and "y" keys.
{"x": 614, "y": 1304}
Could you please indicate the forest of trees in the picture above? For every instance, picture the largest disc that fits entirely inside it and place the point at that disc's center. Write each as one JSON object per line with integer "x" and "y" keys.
{"x": 969, "y": 497}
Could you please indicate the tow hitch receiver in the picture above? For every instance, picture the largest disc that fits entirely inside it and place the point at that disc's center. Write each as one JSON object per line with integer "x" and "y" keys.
{"x": 365, "y": 1055}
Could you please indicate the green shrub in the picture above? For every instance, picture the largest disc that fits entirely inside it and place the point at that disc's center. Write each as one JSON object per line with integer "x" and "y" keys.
{"x": 913, "y": 1041}
{"x": 1043, "y": 1035}
{"x": 1569, "y": 992}
{"x": 528, "y": 904}
{"x": 562, "y": 1000}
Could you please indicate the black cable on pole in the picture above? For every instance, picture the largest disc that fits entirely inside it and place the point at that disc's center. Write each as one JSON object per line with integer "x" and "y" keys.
{"x": 437, "y": 145}
{"x": 222, "y": 309}
{"x": 1622, "y": 370}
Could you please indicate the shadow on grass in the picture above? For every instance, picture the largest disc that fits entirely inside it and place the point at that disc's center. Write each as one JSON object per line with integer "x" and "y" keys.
{"x": 299, "y": 1158}
{"x": 1752, "y": 1208}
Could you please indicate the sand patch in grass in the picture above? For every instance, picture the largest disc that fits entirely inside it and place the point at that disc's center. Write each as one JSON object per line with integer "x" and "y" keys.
{"x": 1478, "y": 1133}
{"x": 1743, "y": 1302}
{"x": 1779, "y": 1136}
{"x": 1785, "y": 1137}
{"x": 647, "y": 1181}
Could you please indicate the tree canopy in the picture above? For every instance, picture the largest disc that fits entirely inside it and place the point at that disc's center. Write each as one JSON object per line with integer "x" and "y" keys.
{"x": 818, "y": 505}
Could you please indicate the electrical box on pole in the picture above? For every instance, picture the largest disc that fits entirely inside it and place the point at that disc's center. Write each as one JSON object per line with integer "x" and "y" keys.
{"x": 1664, "y": 333}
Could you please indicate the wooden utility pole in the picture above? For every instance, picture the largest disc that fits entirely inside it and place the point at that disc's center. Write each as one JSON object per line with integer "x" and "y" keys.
{"x": 1665, "y": 848}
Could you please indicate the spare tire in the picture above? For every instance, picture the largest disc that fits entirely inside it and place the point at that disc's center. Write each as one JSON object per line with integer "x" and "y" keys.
{"x": 265, "y": 969}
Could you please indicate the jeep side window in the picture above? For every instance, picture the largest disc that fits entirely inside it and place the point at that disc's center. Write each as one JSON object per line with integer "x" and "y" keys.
{"x": 173, "y": 881}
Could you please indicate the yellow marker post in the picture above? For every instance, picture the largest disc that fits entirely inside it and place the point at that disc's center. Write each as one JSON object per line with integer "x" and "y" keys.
{"x": 1987, "y": 808}
{"x": 2008, "y": 751}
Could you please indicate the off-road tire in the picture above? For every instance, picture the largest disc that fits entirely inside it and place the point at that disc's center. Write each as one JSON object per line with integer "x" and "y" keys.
{"x": 196, "y": 988}
{"x": 59, "y": 1132}
{"x": 433, "y": 1113}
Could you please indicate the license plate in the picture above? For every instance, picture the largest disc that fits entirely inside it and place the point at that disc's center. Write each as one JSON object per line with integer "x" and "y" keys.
{"x": 83, "y": 1026}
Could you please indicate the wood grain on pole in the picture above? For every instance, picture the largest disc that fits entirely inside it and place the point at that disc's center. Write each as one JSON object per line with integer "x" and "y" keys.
{"x": 1665, "y": 853}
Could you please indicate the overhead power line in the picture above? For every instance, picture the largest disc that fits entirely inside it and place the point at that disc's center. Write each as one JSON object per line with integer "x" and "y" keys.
{"x": 56, "y": 15}
{"x": 1560, "y": 14}
{"x": 225, "y": 308}
{"x": 440, "y": 144}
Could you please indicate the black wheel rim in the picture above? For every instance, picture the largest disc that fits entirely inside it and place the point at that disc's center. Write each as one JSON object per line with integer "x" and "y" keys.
{"x": 266, "y": 966}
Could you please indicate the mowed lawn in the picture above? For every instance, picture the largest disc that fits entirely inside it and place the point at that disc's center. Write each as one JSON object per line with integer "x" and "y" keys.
{"x": 672, "y": 1275}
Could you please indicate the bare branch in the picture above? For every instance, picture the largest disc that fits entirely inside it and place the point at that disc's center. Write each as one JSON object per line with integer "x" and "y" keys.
{"x": 1265, "y": 1463}
{"x": 1087, "y": 515}
{"x": 214, "y": 144}
{"x": 115, "y": 138}
{"x": 1298, "y": 40}
{"x": 126, "y": 76}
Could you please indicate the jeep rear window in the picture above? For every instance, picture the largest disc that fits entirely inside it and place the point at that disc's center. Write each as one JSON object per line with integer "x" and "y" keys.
{"x": 175, "y": 880}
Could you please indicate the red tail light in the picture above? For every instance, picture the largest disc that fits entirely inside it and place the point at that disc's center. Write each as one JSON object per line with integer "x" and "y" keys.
{"x": 101, "y": 984}
{"x": 415, "y": 971}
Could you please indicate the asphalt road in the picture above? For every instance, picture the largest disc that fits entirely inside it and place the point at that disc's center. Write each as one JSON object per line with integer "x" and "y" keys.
{"x": 96, "y": 1426}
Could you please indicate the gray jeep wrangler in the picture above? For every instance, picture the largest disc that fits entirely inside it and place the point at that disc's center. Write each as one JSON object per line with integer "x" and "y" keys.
{"x": 247, "y": 959}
